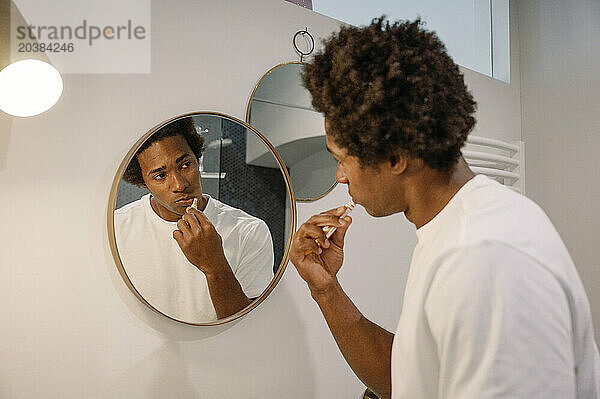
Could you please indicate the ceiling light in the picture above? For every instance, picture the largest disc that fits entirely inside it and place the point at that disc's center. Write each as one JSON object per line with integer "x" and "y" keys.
{"x": 29, "y": 87}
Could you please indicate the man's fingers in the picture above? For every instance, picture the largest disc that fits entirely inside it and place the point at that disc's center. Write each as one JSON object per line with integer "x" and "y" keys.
{"x": 338, "y": 236}
{"x": 308, "y": 246}
{"x": 328, "y": 218}
{"x": 339, "y": 211}
{"x": 324, "y": 219}
{"x": 192, "y": 221}
{"x": 178, "y": 236}
{"x": 310, "y": 237}
{"x": 312, "y": 233}
{"x": 184, "y": 227}
{"x": 313, "y": 227}
{"x": 200, "y": 216}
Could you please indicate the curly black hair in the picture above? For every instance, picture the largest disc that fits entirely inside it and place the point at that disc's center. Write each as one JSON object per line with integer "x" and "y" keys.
{"x": 184, "y": 127}
{"x": 391, "y": 88}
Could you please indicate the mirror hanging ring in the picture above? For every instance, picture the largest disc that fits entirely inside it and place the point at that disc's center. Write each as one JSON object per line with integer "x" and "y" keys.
{"x": 304, "y": 33}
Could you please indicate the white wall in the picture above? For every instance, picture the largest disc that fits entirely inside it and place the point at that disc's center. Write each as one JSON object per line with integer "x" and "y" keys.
{"x": 560, "y": 74}
{"x": 71, "y": 328}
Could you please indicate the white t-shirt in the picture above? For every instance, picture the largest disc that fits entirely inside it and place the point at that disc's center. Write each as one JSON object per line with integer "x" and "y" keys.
{"x": 493, "y": 306}
{"x": 162, "y": 274}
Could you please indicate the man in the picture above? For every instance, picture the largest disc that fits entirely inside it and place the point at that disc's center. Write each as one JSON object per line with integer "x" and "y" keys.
{"x": 493, "y": 306}
{"x": 194, "y": 265}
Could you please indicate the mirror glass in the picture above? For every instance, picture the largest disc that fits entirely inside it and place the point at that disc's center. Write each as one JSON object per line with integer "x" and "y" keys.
{"x": 211, "y": 264}
{"x": 280, "y": 108}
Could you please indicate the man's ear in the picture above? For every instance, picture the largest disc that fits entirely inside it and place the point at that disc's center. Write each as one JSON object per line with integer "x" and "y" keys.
{"x": 398, "y": 163}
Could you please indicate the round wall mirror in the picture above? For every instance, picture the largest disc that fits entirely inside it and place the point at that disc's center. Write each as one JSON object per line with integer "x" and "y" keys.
{"x": 199, "y": 231}
{"x": 280, "y": 107}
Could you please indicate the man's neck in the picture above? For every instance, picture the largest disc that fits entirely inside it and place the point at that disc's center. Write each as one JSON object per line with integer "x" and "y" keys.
{"x": 433, "y": 191}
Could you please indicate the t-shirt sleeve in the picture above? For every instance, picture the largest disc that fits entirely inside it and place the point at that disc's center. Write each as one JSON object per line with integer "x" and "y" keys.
{"x": 502, "y": 326}
{"x": 255, "y": 269}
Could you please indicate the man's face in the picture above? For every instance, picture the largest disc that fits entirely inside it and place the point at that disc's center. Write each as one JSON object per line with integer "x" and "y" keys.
{"x": 171, "y": 173}
{"x": 368, "y": 186}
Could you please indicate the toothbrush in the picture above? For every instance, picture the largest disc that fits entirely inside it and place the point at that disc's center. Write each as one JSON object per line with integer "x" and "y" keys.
{"x": 329, "y": 230}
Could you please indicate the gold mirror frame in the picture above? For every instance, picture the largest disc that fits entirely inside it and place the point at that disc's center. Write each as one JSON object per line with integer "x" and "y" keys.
{"x": 249, "y": 109}
{"x": 111, "y": 222}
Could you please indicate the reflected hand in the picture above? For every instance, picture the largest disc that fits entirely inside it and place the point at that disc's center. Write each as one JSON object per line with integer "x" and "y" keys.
{"x": 200, "y": 243}
{"x": 316, "y": 258}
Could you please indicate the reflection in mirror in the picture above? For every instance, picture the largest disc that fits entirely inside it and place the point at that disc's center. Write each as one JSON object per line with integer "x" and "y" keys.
{"x": 281, "y": 109}
{"x": 201, "y": 234}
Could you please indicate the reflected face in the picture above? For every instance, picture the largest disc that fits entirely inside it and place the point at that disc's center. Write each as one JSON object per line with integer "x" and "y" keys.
{"x": 368, "y": 186}
{"x": 171, "y": 172}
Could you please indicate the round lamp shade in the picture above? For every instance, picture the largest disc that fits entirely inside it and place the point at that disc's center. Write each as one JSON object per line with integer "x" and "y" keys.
{"x": 29, "y": 87}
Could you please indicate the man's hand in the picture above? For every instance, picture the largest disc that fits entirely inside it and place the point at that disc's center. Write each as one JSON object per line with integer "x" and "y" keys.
{"x": 200, "y": 242}
{"x": 316, "y": 258}
{"x": 366, "y": 347}
{"x": 203, "y": 247}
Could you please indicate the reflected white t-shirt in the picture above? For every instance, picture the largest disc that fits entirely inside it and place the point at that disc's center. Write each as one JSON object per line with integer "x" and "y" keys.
{"x": 493, "y": 306}
{"x": 162, "y": 274}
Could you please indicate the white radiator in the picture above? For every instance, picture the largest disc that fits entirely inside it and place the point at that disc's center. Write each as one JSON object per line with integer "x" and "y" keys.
{"x": 499, "y": 160}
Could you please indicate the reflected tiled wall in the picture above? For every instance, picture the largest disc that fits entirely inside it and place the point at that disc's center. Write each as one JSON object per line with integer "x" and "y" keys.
{"x": 257, "y": 190}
